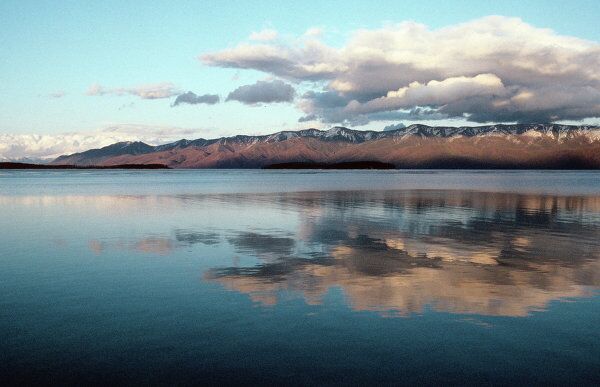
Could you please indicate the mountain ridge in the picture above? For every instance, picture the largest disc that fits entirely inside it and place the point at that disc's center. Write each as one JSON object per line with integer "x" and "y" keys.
{"x": 413, "y": 146}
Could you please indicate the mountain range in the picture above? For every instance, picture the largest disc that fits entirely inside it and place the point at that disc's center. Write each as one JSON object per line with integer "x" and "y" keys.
{"x": 415, "y": 146}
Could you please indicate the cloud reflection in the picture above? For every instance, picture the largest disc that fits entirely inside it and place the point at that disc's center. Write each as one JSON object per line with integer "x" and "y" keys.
{"x": 262, "y": 244}
{"x": 190, "y": 237}
{"x": 402, "y": 252}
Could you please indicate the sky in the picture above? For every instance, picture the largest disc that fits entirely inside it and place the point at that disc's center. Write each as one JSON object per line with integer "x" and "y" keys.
{"x": 76, "y": 75}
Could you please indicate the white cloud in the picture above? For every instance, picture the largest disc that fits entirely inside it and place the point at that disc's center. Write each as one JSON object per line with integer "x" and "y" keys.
{"x": 17, "y": 146}
{"x": 437, "y": 93}
{"x": 490, "y": 69}
{"x": 264, "y": 35}
{"x": 146, "y": 91}
{"x": 95, "y": 90}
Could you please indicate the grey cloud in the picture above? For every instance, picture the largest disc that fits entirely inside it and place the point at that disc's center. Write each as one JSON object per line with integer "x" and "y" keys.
{"x": 452, "y": 97}
{"x": 194, "y": 99}
{"x": 190, "y": 237}
{"x": 328, "y": 99}
{"x": 415, "y": 114}
{"x": 490, "y": 69}
{"x": 308, "y": 62}
{"x": 309, "y": 117}
{"x": 263, "y": 91}
{"x": 262, "y": 244}
{"x": 394, "y": 127}
{"x": 331, "y": 107}
{"x": 324, "y": 106}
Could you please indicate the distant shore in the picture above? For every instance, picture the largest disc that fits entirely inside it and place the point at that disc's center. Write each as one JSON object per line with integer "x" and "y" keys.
{"x": 456, "y": 163}
{"x": 10, "y": 165}
{"x": 342, "y": 165}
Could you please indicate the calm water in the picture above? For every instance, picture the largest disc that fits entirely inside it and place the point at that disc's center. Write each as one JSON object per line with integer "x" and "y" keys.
{"x": 300, "y": 277}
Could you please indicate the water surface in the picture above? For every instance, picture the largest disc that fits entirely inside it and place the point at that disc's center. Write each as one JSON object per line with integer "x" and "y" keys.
{"x": 300, "y": 276}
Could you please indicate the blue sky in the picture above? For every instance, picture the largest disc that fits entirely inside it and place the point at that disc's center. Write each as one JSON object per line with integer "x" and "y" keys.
{"x": 52, "y": 52}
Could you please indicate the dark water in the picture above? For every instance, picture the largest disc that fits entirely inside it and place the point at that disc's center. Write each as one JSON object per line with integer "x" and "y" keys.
{"x": 188, "y": 277}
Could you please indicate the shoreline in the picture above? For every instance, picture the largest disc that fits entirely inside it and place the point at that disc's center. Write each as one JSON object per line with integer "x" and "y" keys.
{"x": 11, "y": 165}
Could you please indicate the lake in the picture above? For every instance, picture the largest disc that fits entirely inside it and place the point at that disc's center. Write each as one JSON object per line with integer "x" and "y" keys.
{"x": 300, "y": 277}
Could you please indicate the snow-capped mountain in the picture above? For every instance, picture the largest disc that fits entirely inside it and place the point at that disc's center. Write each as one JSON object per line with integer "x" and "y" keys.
{"x": 412, "y": 146}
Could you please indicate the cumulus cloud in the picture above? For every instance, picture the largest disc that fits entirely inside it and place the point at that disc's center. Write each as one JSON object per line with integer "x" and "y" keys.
{"x": 147, "y": 91}
{"x": 434, "y": 93}
{"x": 263, "y": 91}
{"x": 309, "y": 62}
{"x": 194, "y": 99}
{"x": 490, "y": 69}
{"x": 18, "y": 146}
{"x": 264, "y": 35}
{"x": 331, "y": 107}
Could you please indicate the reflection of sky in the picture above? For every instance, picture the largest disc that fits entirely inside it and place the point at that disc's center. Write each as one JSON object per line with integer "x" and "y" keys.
{"x": 491, "y": 254}
{"x": 396, "y": 252}
{"x": 164, "y": 276}
{"x": 191, "y": 182}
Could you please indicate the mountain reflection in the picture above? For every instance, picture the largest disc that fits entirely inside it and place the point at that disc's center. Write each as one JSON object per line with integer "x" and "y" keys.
{"x": 400, "y": 252}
